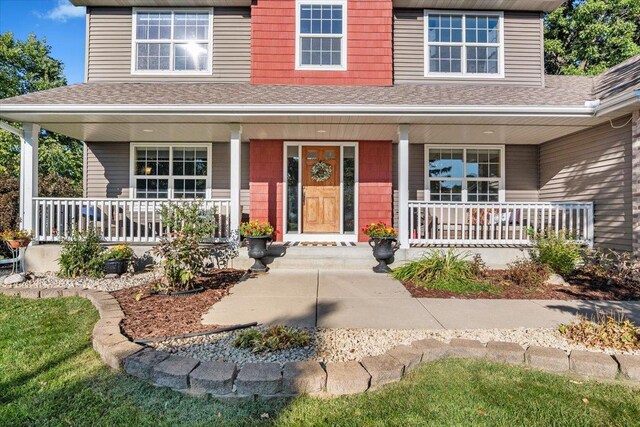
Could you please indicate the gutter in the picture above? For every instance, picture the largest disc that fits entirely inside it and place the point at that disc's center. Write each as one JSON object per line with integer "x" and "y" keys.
{"x": 617, "y": 102}
{"x": 302, "y": 109}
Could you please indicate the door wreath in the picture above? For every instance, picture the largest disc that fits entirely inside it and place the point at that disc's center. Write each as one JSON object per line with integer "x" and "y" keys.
{"x": 321, "y": 171}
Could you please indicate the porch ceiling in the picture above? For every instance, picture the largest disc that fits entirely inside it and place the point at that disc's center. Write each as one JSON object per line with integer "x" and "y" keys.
{"x": 437, "y": 130}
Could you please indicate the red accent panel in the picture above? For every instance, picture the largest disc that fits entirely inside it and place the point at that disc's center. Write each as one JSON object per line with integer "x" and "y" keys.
{"x": 375, "y": 202}
{"x": 369, "y": 45}
{"x": 265, "y": 182}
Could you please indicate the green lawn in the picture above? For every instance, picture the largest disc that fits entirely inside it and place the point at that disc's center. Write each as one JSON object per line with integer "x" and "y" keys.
{"x": 49, "y": 375}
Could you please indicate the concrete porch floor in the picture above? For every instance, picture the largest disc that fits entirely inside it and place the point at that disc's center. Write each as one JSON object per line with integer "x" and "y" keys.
{"x": 362, "y": 299}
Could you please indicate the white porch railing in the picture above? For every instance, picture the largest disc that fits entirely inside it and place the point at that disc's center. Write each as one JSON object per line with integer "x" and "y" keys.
{"x": 450, "y": 223}
{"x": 116, "y": 220}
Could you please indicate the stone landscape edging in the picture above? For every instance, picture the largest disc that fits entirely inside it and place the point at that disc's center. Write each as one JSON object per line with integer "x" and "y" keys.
{"x": 227, "y": 382}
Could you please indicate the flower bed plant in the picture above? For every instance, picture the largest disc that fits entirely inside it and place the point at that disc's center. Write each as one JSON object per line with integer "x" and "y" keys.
{"x": 119, "y": 252}
{"x": 379, "y": 230}
{"x": 557, "y": 250}
{"x": 82, "y": 254}
{"x": 446, "y": 271}
{"x": 604, "y": 331}
{"x": 529, "y": 273}
{"x": 183, "y": 258}
{"x": 273, "y": 339}
{"x": 256, "y": 229}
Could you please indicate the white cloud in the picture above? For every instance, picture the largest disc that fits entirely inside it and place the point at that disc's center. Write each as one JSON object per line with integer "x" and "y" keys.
{"x": 64, "y": 10}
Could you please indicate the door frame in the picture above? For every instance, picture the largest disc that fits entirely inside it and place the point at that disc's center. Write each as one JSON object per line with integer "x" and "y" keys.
{"x": 333, "y": 237}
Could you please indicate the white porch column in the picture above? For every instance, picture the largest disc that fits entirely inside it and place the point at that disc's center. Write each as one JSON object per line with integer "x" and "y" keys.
{"x": 403, "y": 186}
{"x": 28, "y": 173}
{"x": 235, "y": 159}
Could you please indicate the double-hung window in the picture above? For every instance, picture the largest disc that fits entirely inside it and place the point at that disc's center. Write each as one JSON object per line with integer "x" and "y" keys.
{"x": 171, "y": 172}
{"x": 465, "y": 174}
{"x": 464, "y": 44}
{"x": 176, "y": 41}
{"x": 321, "y": 34}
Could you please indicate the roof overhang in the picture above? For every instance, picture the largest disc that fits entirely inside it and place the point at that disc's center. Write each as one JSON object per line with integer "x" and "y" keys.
{"x": 161, "y": 3}
{"x": 18, "y": 112}
{"x": 530, "y": 5}
{"x": 483, "y": 124}
{"x": 623, "y": 103}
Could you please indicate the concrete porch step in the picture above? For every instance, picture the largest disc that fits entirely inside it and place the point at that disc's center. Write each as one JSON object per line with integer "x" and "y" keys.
{"x": 360, "y": 257}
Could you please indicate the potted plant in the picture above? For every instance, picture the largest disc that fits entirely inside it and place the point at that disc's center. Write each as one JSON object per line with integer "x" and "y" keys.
{"x": 117, "y": 258}
{"x": 258, "y": 234}
{"x": 16, "y": 238}
{"x": 384, "y": 241}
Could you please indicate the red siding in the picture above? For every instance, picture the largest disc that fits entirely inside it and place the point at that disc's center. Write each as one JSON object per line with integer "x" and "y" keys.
{"x": 265, "y": 182}
{"x": 369, "y": 45}
{"x": 374, "y": 187}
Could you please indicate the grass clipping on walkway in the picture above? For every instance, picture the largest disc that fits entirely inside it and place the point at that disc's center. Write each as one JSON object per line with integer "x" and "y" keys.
{"x": 445, "y": 271}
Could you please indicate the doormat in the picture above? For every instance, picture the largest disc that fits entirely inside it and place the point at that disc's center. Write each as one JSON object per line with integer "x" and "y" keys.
{"x": 320, "y": 244}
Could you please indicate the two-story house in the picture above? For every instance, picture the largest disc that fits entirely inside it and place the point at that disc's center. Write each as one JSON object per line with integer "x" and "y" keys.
{"x": 322, "y": 116}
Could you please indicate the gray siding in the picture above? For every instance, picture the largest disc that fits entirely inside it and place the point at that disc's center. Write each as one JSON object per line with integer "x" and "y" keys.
{"x": 521, "y": 174}
{"x": 109, "y": 47}
{"x": 522, "y": 50}
{"x": 107, "y": 171}
{"x": 593, "y": 165}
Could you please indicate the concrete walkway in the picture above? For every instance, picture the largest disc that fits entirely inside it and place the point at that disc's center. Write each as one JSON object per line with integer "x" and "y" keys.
{"x": 361, "y": 299}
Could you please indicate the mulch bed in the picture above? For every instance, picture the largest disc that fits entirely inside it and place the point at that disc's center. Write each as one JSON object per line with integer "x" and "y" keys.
{"x": 581, "y": 287}
{"x": 155, "y": 316}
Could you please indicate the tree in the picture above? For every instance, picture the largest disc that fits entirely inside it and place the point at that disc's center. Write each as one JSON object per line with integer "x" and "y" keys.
{"x": 585, "y": 37}
{"x": 27, "y": 66}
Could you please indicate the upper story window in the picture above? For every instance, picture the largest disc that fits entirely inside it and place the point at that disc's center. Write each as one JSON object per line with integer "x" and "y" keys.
{"x": 321, "y": 36}
{"x": 464, "y": 44}
{"x": 177, "y": 41}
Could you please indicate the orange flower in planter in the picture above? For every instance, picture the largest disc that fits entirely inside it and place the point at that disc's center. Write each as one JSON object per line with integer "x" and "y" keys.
{"x": 379, "y": 230}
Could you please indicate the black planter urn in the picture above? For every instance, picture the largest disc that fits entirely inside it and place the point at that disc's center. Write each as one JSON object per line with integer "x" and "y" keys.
{"x": 258, "y": 250}
{"x": 383, "y": 250}
{"x": 116, "y": 266}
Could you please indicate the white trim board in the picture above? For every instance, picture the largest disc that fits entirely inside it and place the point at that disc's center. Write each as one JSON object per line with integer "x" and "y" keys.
{"x": 502, "y": 181}
{"x": 171, "y": 41}
{"x": 170, "y": 177}
{"x": 315, "y": 236}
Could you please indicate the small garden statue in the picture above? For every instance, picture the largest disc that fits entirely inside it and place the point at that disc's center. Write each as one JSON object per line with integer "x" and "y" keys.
{"x": 384, "y": 241}
{"x": 258, "y": 234}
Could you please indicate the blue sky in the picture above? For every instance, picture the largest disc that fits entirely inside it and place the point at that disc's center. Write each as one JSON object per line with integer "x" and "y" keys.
{"x": 62, "y": 24}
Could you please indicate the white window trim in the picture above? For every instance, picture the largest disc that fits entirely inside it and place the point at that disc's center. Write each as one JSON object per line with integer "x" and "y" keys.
{"x": 297, "y": 236}
{"x": 343, "y": 37}
{"x": 170, "y": 177}
{"x": 463, "y": 74}
{"x": 134, "y": 42}
{"x": 464, "y": 178}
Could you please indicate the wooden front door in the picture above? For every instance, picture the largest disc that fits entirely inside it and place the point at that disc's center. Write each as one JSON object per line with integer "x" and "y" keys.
{"x": 320, "y": 189}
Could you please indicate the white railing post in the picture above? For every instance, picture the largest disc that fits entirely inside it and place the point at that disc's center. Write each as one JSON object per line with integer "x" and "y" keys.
{"x": 403, "y": 186}
{"x": 235, "y": 178}
{"x": 28, "y": 174}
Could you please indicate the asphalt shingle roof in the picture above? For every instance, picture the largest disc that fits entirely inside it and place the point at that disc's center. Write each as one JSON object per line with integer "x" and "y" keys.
{"x": 557, "y": 92}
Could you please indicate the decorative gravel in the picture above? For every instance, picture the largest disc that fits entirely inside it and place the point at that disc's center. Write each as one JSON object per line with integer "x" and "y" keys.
{"x": 52, "y": 280}
{"x": 339, "y": 345}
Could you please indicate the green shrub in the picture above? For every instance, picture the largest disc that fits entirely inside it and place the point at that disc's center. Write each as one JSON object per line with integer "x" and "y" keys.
{"x": 526, "y": 272}
{"x": 183, "y": 258}
{"x": 445, "y": 271}
{"x": 273, "y": 339}
{"x": 82, "y": 255}
{"x": 557, "y": 250}
{"x": 603, "y": 331}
